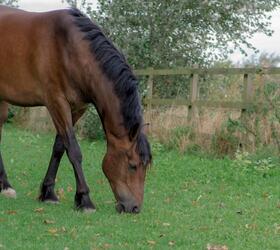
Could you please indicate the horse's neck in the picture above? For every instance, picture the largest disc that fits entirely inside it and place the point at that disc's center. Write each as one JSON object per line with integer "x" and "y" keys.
{"x": 110, "y": 113}
{"x": 100, "y": 91}
{"x": 109, "y": 107}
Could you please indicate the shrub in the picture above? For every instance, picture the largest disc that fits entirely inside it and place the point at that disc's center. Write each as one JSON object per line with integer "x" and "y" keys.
{"x": 92, "y": 126}
{"x": 180, "y": 138}
{"x": 252, "y": 162}
{"x": 12, "y": 112}
{"x": 225, "y": 141}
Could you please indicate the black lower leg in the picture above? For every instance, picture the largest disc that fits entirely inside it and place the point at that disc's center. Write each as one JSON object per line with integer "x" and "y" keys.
{"x": 4, "y": 183}
{"x": 82, "y": 199}
{"x": 47, "y": 193}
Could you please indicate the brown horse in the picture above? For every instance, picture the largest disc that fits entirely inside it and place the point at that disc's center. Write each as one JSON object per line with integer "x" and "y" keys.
{"x": 63, "y": 61}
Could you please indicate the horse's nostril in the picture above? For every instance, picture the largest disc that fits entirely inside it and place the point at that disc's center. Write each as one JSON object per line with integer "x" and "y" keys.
{"x": 136, "y": 210}
{"x": 120, "y": 208}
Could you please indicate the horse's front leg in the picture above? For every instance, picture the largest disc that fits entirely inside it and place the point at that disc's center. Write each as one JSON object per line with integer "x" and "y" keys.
{"x": 60, "y": 112}
{"x": 82, "y": 199}
{"x": 47, "y": 193}
{"x": 5, "y": 187}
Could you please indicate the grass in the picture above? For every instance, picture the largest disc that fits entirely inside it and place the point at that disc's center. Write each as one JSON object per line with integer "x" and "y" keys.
{"x": 190, "y": 201}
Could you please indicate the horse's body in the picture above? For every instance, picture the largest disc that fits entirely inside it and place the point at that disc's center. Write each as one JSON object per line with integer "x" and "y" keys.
{"x": 61, "y": 60}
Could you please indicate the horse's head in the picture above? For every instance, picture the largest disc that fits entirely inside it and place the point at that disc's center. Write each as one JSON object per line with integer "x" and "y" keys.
{"x": 126, "y": 170}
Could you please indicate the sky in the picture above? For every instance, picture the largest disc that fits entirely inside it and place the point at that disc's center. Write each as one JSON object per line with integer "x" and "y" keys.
{"x": 260, "y": 41}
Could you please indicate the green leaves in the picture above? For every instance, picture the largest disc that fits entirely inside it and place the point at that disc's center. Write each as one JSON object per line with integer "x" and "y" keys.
{"x": 180, "y": 33}
{"x": 9, "y": 2}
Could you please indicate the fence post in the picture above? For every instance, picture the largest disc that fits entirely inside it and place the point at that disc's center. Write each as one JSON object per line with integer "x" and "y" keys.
{"x": 193, "y": 109}
{"x": 260, "y": 114}
{"x": 247, "y": 99}
{"x": 261, "y": 88}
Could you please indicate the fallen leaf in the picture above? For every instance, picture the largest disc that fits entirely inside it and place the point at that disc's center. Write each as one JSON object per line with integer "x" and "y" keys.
{"x": 217, "y": 247}
{"x": 11, "y": 212}
{"x": 100, "y": 181}
{"x": 222, "y": 205}
{"x": 166, "y": 224}
{"x": 29, "y": 193}
{"x": 60, "y": 193}
{"x": 73, "y": 234}
{"x": 167, "y": 200}
{"x": 49, "y": 222}
{"x": 171, "y": 243}
{"x": 194, "y": 203}
{"x": 203, "y": 228}
{"x": 239, "y": 212}
{"x": 277, "y": 228}
{"x": 53, "y": 230}
{"x": 109, "y": 202}
{"x": 151, "y": 242}
{"x": 106, "y": 246}
{"x": 39, "y": 210}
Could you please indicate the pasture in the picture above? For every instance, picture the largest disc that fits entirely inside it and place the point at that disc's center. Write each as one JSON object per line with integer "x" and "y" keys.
{"x": 190, "y": 201}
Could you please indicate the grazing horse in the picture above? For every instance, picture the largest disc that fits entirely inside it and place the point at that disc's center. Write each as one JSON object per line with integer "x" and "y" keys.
{"x": 63, "y": 61}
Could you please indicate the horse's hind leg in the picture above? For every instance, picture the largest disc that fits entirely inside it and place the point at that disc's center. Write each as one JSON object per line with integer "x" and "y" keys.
{"x": 47, "y": 193}
{"x": 5, "y": 187}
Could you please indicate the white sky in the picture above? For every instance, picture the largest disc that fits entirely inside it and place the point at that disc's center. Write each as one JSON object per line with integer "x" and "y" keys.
{"x": 41, "y": 5}
{"x": 260, "y": 41}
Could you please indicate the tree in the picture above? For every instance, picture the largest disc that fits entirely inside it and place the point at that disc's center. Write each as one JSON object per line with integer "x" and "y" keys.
{"x": 164, "y": 33}
{"x": 262, "y": 60}
{"x": 80, "y": 4}
{"x": 9, "y": 2}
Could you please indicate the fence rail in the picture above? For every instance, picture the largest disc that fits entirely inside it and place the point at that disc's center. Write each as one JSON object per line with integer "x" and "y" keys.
{"x": 195, "y": 73}
{"x": 202, "y": 71}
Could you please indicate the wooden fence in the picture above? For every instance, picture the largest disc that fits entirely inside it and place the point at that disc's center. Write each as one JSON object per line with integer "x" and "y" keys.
{"x": 194, "y": 103}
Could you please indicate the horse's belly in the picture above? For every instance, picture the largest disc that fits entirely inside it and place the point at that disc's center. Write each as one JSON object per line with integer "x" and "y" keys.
{"x": 18, "y": 95}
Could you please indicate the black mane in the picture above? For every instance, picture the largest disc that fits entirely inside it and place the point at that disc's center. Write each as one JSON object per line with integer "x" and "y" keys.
{"x": 115, "y": 67}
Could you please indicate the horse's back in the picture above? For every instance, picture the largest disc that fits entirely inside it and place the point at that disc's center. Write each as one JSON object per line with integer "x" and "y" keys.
{"x": 5, "y": 9}
{"x": 28, "y": 54}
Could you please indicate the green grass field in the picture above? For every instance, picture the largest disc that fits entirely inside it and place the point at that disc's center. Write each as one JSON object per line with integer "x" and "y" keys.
{"x": 190, "y": 201}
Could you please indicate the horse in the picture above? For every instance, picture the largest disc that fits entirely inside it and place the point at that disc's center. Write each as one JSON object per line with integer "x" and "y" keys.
{"x": 62, "y": 60}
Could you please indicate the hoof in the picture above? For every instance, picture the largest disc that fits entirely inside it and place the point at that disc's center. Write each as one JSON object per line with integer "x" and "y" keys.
{"x": 88, "y": 210}
{"x": 48, "y": 195}
{"x": 50, "y": 201}
{"x": 9, "y": 192}
{"x": 84, "y": 204}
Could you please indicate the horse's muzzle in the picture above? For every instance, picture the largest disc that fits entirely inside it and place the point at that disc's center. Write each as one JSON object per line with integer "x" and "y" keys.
{"x": 122, "y": 207}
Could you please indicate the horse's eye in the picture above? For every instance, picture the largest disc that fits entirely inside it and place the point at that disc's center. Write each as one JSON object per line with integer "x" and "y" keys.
{"x": 132, "y": 167}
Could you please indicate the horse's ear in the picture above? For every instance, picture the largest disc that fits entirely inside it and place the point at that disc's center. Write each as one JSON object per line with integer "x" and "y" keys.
{"x": 134, "y": 131}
